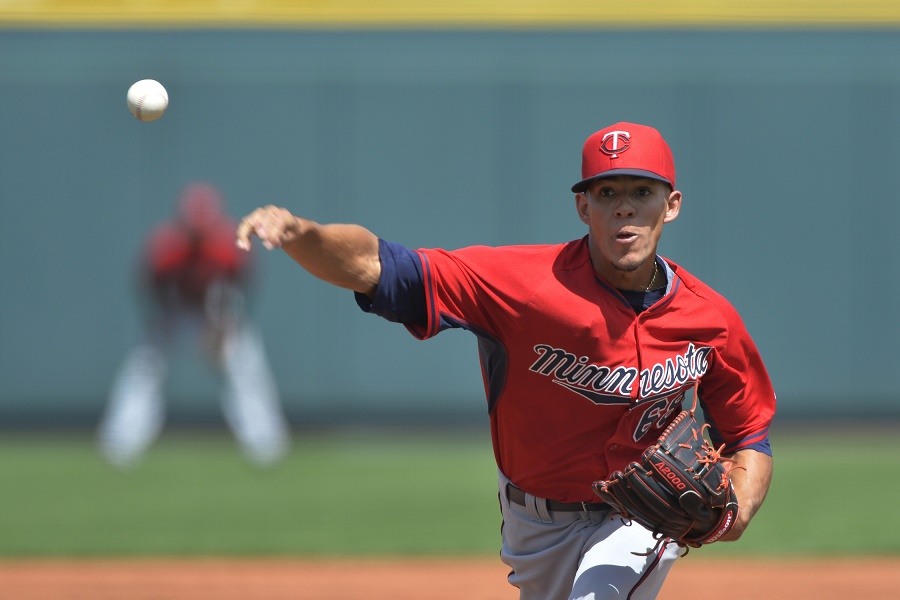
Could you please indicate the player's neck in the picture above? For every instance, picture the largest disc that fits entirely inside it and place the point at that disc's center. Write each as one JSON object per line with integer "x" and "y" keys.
{"x": 645, "y": 278}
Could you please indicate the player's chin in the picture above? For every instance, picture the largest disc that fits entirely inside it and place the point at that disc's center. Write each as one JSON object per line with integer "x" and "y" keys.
{"x": 629, "y": 263}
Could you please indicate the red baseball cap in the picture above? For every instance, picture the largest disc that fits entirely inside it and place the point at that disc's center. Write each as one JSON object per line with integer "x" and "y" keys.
{"x": 626, "y": 149}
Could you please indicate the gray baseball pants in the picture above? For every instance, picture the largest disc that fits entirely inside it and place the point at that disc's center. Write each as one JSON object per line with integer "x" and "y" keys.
{"x": 579, "y": 555}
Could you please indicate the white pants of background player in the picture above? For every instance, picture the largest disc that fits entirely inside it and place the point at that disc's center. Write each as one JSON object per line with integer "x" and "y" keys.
{"x": 579, "y": 555}
{"x": 135, "y": 414}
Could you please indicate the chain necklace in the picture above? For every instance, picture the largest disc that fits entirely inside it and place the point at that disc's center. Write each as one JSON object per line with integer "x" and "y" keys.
{"x": 652, "y": 279}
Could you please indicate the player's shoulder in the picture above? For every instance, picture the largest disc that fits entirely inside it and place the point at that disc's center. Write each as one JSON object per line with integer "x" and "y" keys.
{"x": 166, "y": 248}
{"x": 533, "y": 254}
{"x": 523, "y": 267}
{"x": 219, "y": 247}
{"x": 693, "y": 289}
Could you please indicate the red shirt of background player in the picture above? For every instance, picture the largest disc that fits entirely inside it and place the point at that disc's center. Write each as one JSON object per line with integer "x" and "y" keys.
{"x": 186, "y": 256}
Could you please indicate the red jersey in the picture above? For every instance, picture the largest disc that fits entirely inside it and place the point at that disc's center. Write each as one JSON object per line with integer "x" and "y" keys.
{"x": 578, "y": 384}
{"x": 181, "y": 262}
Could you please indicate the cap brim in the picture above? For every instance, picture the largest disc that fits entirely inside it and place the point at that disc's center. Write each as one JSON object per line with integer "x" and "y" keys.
{"x": 582, "y": 185}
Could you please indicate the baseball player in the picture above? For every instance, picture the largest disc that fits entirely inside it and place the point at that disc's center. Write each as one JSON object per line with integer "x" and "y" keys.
{"x": 192, "y": 283}
{"x": 587, "y": 348}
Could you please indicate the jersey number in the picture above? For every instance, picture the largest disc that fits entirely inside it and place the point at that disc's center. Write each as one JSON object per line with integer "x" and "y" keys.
{"x": 657, "y": 413}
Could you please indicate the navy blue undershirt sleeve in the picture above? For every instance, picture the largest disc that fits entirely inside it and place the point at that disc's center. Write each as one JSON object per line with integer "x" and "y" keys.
{"x": 400, "y": 295}
{"x": 762, "y": 446}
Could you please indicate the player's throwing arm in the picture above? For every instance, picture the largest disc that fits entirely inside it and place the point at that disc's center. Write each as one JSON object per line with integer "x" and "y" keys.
{"x": 343, "y": 255}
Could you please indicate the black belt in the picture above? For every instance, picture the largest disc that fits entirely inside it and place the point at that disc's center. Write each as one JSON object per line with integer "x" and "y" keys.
{"x": 518, "y": 496}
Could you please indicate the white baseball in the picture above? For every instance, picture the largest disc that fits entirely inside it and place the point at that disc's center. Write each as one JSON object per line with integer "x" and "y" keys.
{"x": 147, "y": 100}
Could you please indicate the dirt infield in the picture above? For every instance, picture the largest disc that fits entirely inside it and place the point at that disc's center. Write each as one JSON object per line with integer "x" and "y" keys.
{"x": 433, "y": 578}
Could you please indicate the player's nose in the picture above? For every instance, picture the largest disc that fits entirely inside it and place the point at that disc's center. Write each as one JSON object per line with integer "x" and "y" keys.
{"x": 624, "y": 208}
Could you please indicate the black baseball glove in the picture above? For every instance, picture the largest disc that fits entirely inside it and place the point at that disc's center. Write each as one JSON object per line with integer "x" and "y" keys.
{"x": 679, "y": 490}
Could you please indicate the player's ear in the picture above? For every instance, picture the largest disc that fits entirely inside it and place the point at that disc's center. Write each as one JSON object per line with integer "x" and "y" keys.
{"x": 673, "y": 206}
{"x": 581, "y": 205}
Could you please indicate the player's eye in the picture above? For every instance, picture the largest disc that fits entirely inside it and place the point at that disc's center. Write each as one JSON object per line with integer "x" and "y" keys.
{"x": 606, "y": 192}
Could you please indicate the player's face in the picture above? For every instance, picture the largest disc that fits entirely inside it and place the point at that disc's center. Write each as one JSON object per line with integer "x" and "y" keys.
{"x": 625, "y": 217}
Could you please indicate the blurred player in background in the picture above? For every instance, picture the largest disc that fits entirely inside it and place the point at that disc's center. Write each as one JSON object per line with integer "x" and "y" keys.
{"x": 193, "y": 284}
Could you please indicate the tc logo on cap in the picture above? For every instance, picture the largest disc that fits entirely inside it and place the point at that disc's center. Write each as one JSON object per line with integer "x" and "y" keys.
{"x": 625, "y": 149}
{"x": 615, "y": 142}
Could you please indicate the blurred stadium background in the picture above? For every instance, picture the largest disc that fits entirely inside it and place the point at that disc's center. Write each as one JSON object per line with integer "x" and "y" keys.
{"x": 443, "y": 125}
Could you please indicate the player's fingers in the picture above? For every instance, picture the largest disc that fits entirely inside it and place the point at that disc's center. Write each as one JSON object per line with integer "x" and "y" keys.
{"x": 269, "y": 224}
{"x": 242, "y": 234}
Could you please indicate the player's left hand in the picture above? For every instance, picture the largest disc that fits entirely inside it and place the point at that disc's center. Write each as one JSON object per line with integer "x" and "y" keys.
{"x": 680, "y": 490}
{"x": 751, "y": 481}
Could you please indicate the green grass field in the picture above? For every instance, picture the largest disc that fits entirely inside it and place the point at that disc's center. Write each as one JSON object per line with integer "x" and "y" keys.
{"x": 367, "y": 493}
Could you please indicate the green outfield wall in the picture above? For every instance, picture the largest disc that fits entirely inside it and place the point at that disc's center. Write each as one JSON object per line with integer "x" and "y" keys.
{"x": 787, "y": 141}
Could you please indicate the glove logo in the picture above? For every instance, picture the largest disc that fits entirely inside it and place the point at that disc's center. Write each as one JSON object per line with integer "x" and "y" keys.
{"x": 615, "y": 142}
{"x": 671, "y": 476}
{"x": 729, "y": 519}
